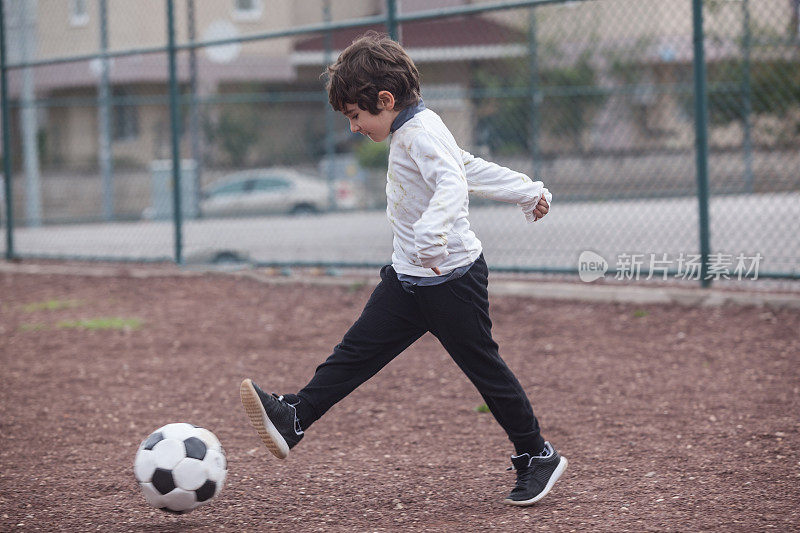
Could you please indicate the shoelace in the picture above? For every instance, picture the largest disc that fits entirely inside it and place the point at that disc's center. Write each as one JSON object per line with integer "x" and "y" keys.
{"x": 545, "y": 454}
{"x": 297, "y": 428}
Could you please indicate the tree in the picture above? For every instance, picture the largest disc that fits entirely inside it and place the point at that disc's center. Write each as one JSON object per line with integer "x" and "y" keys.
{"x": 235, "y": 132}
{"x": 504, "y": 106}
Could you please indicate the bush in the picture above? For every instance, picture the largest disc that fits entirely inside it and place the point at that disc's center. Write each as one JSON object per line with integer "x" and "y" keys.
{"x": 504, "y": 125}
{"x": 372, "y": 155}
{"x": 775, "y": 88}
{"x": 235, "y": 132}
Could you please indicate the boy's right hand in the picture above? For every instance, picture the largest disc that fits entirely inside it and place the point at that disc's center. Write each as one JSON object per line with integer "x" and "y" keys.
{"x": 437, "y": 271}
{"x": 541, "y": 209}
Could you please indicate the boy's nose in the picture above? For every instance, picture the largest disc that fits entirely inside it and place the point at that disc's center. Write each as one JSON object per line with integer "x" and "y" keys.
{"x": 353, "y": 127}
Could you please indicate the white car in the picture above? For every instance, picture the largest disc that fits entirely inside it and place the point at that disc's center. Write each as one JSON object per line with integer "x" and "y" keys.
{"x": 264, "y": 191}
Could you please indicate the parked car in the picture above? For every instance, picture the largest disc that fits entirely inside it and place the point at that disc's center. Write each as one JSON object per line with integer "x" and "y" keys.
{"x": 275, "y": 190}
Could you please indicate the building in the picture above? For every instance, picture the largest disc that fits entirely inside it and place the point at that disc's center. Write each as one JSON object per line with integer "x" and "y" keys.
{"x": 268, "y": 93}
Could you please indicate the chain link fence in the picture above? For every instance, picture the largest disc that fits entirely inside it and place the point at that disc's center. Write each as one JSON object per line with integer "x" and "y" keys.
{"x": 596, "y": 98}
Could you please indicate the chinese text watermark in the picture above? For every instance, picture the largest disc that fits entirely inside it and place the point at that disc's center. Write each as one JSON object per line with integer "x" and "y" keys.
{"x": 684, "y": 266}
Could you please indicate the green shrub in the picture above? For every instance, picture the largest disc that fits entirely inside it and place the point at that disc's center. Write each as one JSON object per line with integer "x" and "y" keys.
{"x": 372, "y": 155}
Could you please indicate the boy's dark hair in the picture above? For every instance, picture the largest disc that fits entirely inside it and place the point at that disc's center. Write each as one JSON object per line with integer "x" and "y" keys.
{"x": 373, "y": 63}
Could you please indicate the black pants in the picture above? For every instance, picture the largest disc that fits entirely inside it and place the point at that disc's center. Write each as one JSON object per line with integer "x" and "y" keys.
{"x": 457, "y": 313}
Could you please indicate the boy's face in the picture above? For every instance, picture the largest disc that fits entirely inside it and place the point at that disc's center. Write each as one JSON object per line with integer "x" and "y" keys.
{"x": 376, "y": 127}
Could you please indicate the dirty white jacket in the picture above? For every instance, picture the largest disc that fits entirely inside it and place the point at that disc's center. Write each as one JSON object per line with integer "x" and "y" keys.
{"x": 427, "y": 191}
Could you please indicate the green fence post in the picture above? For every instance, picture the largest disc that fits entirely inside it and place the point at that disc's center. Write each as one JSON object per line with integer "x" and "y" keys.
{"x": 747, "y": 99}
{"x": 701, "y": 136}
{"x": 194, "y": 111}
{"x": 391, "y": 19}
{"x": 330, "y": 116}
{"x": 106, "y": 161}
{"x": 6, "y": 137}
{"x": 175, "y": 134}
{"x": 535, "y": 95}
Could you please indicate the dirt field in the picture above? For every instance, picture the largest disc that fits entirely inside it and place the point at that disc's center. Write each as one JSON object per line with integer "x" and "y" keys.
{"x": 672, "y": 418}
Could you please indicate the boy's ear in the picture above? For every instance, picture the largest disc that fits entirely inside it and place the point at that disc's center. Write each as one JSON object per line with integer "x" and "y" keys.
{"x": 386, "y": 100}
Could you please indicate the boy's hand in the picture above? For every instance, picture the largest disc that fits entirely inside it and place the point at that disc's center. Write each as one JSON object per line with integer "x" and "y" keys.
{"x": 437, "y": 271}
{"x": 541, "y": 209}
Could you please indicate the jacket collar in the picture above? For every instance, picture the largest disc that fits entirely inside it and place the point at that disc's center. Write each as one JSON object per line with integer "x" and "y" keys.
{"x": 406, "y": 115}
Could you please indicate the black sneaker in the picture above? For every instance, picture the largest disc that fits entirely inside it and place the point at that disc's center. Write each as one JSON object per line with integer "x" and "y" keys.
{"x": 535, "y": 476}
{"x": 274, "y": 418}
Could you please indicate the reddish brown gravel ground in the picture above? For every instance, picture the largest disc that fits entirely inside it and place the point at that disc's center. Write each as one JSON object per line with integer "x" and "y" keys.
{"x": 673, "y": 418}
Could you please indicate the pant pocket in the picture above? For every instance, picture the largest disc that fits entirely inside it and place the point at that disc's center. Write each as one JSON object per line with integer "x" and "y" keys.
{"x": 460, "y": 290}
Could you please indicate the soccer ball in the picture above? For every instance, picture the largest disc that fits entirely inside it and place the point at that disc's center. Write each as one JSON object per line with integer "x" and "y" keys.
{"x": 180, "y": 467}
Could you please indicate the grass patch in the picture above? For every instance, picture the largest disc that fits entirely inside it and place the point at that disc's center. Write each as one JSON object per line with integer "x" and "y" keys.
{"x": 51, "y": 305}
{"x": 94, "y": 324}
{"x": 639, "y": 313}
{"x": 356, "y": 286}
{"x": 482, "y": 408}
{"x": 33, "y": 327}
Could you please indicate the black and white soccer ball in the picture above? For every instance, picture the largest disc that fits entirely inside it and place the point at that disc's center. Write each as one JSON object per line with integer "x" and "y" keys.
{"x": 180, "y": 467}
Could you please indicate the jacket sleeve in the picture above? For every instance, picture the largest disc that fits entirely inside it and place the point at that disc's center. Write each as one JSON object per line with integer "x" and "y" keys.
{"x": 443, "y": 173}
{"x": 490, "y": 180}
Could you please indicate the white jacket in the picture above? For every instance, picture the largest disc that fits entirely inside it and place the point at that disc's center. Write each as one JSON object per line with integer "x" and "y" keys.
{"x": 427, "y": 192}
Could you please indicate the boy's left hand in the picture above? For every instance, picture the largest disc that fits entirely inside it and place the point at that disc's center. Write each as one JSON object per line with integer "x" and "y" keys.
{"x": 541, "y": 209}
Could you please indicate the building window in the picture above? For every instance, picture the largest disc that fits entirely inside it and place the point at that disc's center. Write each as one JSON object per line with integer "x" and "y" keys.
{"x": 78, "y": 12}
{"x": 247, "y": 10}
{"x": 124, "y": 116}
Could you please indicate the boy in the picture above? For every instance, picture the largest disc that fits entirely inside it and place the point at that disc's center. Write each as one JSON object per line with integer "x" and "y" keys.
{"x": 437, "y": 281}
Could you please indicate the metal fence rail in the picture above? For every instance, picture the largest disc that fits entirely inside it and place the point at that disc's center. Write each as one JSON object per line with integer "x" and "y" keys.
{"x": 668, "y": 131}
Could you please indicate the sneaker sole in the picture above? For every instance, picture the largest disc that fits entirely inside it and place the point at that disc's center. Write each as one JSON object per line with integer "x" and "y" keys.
{"x": 269, "y": 435}
{"x": 562, "y": 465}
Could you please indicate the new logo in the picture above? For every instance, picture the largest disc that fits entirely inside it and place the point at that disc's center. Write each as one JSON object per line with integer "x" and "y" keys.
{"x": 591, "y": 266}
